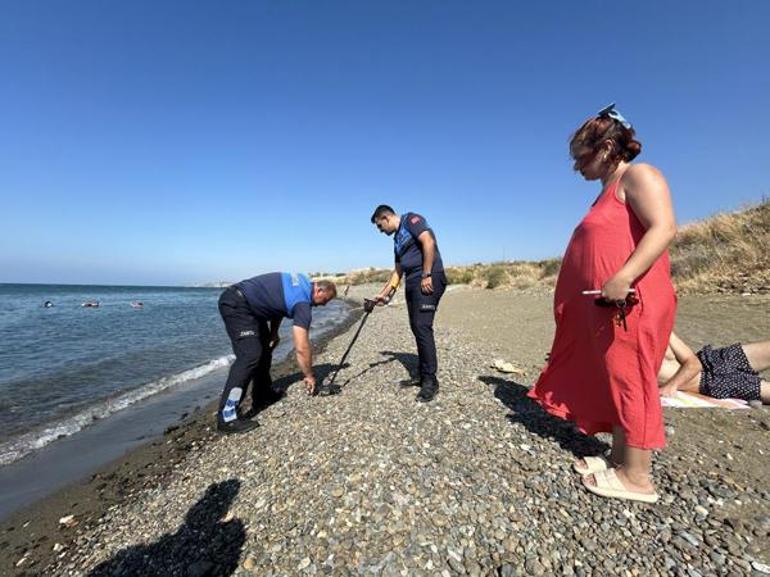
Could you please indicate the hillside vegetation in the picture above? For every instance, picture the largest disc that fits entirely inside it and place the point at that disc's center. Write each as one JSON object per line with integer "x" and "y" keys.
{"x": 726, "y": 253}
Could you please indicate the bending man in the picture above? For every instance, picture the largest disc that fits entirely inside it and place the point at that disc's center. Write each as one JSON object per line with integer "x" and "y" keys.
{"x": 252, "y": 311}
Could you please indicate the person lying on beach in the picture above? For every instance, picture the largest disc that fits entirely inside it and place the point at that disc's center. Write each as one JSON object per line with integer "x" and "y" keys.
{"x": 252, "y": 311}
{"x": 727, "y": 373}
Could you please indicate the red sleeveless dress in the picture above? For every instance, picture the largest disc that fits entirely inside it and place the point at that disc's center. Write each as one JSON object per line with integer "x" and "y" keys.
{"x": 598, "y": 374}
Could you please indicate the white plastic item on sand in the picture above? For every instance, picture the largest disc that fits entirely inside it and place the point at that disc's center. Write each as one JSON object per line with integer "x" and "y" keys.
{"x": 506, "y": 367}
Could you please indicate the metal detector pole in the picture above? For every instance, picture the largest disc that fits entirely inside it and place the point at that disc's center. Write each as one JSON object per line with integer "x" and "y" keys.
{"x": 368, "y": 308}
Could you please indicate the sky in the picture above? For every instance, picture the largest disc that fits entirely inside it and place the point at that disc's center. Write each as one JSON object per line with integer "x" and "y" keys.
{"x": 180, "y": 142}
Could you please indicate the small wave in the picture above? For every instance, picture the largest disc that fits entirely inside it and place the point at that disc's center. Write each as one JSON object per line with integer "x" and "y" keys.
{"x": 18, "y": 447}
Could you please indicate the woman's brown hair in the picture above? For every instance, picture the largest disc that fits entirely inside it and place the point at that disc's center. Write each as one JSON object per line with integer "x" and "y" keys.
{"x": 599, "y": 129}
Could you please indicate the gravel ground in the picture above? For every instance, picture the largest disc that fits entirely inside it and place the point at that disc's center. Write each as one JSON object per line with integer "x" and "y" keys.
{"x": 478, "y": 482}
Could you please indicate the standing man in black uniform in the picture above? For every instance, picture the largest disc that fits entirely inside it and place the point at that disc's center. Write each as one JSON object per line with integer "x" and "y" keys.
{"x": 252, "y": 311}
{"x": 418, "y": 259}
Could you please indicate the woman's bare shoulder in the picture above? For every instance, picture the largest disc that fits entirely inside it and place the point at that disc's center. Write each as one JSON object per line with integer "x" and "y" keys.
{"x": 643, "y": 179}
{"x": 642, "y": 172}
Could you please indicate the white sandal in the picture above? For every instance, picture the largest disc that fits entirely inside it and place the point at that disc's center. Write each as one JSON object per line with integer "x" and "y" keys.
{"x": 592, "y": 465}
{"x": 608, "y": 485}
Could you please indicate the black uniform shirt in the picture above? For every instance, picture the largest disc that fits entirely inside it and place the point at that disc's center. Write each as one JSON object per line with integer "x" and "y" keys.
{"x": 280, "y": 294}
{"x": 407, "y": 248}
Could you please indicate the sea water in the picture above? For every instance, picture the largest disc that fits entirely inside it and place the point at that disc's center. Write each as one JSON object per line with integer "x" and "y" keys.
{"x": 65, "y": 366}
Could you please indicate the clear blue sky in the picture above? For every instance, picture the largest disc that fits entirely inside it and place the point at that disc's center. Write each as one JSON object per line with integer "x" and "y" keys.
{"x": 175, "y": 142}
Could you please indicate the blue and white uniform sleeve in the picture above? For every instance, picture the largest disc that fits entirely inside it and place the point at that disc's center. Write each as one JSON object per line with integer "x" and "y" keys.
{"x": 302, "y": 315}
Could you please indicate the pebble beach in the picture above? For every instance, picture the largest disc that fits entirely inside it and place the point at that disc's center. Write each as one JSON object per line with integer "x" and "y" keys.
{"x": 370, "y": 482}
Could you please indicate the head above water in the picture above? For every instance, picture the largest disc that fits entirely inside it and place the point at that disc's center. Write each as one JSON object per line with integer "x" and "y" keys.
{"x": 385, "y": 219}
{"x": 323, "y": 292}
{"x": 602, "y": 143}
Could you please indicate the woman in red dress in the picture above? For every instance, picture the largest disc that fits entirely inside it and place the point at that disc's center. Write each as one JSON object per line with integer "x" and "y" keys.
{"x": 603, "y": 366}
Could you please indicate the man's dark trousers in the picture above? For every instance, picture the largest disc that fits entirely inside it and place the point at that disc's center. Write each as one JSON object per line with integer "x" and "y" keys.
{"x": 422, "y": 310}
{"x": 250, "y": 337}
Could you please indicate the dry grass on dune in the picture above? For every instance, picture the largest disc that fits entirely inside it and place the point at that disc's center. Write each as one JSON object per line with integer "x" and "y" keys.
{"x": 366, "y": 276}
{"x": 507, "y": 274}
{"x": 727, "y": 252}
{"x": 516, "y": 274}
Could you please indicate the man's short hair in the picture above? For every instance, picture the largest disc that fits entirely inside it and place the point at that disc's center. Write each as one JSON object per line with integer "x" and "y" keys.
{"x": 381, "y": 211}
{"x": 327, "y": 286}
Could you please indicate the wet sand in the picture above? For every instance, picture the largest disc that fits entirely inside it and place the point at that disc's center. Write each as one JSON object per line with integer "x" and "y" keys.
{"x": 70, "y": 458}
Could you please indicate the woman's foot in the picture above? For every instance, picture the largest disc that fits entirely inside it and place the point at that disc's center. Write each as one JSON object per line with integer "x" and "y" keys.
{"x": 588, "y": 465}
{"x": 619, "y": 483}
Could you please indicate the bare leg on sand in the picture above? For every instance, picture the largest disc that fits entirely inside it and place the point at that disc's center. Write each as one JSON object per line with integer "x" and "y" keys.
{"x": 615, "y": 459}
{"x": 634, "y": 474}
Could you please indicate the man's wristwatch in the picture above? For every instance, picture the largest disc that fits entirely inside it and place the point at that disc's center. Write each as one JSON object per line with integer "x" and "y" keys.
{"x": 426, "y": 275}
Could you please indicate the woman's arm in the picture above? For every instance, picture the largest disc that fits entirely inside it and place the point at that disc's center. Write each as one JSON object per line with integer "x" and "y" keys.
{"x": 647, "y": 194}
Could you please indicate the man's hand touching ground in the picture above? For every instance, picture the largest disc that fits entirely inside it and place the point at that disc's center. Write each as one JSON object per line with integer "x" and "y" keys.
{"x": 310, "y": 385}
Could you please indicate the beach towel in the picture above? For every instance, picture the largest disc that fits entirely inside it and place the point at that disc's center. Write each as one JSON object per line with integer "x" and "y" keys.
{"x": 682, "y": 400}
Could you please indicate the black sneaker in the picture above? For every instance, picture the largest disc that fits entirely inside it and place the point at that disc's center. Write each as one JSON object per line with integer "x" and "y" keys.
{"x": 428, "y": 389}
{"x": 236, "y": 426}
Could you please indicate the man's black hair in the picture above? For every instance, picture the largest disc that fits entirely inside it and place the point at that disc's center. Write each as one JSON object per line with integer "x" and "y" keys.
{"x": 381, "y": 211}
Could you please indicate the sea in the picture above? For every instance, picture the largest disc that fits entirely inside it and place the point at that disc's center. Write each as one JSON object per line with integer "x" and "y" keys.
{"x": 66, "y": 368}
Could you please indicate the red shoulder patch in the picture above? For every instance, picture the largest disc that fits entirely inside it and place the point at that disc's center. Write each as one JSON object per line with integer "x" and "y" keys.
{"x": 414, "y": 219}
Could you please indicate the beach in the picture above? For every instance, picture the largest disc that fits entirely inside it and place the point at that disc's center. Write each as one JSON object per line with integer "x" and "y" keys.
{"x": 80, "y": 387}
{"x": 369, "y": 482}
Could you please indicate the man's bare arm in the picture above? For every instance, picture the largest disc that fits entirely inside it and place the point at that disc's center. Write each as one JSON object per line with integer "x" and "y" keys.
{"x": 304, "y": 356}
{"x": 689, "y": 365}
{"x": 390, "y": 287}
{"x": 428, "y": 244}
{"x": 428, "y": 250}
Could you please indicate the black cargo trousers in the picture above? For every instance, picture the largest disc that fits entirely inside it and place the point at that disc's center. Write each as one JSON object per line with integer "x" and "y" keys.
{"x": 250, "y": 337}
{"x": 422, "y": 310}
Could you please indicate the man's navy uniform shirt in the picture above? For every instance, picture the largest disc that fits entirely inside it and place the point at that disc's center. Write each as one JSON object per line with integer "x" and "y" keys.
{"x": 280, "y": 294}
{"x": 408, "y": 249}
